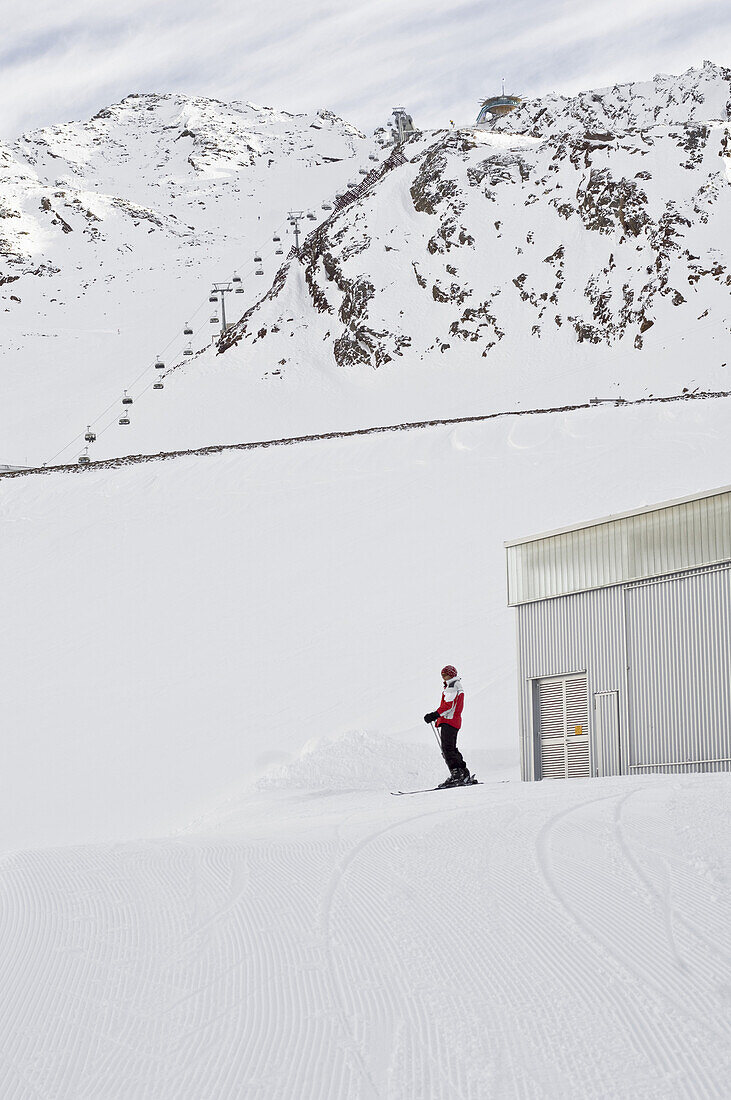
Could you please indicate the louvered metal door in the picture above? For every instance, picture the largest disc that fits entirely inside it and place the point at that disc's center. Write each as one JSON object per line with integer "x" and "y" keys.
{"x": 563, "y": 727}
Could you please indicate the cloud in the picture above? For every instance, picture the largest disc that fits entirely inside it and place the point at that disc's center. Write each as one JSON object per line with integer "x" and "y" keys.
{"x": 64, "y": 60}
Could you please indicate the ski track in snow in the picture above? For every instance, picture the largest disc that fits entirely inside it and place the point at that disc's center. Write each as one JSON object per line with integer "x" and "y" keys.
{"x": 509, "y": 942}
{"x": 662, "y": 1000}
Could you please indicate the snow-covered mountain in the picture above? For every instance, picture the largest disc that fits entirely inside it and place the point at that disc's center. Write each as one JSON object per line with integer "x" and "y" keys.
{"x": 112, "y": 230}
{"x": 600, "y": 220}
{"x": 579, "y": 247}
{"x": 696, "y": 96}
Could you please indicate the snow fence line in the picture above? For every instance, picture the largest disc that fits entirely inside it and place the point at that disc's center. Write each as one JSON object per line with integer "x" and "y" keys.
{"x": 408, "y": 426}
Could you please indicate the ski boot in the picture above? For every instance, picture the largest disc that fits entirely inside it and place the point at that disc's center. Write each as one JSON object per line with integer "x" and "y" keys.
{"x": 465, "y": 779}
{"x": 452, "y": 780}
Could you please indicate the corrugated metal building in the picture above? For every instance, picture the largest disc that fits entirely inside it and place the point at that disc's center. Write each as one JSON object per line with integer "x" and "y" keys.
{"x": 624, "y": 642}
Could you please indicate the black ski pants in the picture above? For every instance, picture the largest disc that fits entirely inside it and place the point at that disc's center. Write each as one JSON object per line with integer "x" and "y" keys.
{"x": 452, "y": 756}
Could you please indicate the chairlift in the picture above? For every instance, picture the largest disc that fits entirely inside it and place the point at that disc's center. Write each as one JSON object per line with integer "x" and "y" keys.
{"x": 159, "y": 365}
{"x": 124, "y": 419}
{"x": 188, "y": 350}
{"x": 90, "y": 436}
{"x": 84, "y": 459}
{"x": 158, "y": 386}
{"x": 187, "y": 331}
{"x": 126, "y": 400}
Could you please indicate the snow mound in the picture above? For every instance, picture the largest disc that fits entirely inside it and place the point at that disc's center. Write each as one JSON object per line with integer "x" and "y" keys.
{"x": 357, "y": 760}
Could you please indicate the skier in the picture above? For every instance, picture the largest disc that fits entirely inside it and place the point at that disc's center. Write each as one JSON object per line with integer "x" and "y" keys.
{"x": 449, "y": 720}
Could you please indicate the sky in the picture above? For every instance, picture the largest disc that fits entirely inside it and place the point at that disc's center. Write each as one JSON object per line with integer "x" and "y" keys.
{"x": 63, "y": 60}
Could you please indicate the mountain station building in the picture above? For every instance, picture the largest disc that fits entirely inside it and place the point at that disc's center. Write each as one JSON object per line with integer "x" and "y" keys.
{"x": 624, "y": 642}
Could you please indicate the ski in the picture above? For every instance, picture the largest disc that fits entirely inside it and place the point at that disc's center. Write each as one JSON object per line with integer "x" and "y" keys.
{"x": 426, "y": 790}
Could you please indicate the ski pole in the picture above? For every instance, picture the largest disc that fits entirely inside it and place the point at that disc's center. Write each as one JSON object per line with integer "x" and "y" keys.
{"x": 439, "y": 742}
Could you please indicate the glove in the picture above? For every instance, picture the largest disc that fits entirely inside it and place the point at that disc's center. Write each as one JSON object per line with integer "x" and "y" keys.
{"x": 431, "y": 717}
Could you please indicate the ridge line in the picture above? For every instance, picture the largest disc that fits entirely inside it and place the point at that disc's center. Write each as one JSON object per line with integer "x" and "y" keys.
{"x": 219, "y": 448}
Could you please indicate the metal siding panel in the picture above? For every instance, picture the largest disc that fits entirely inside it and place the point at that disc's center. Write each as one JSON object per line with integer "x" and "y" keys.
{"x": 661, "y": 541}
{"x": 582, "y": 632}
{"x": 606, "y": 732}
{"x": 680, "y": 671}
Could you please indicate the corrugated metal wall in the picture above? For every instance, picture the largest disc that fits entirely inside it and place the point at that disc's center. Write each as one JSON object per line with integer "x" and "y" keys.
{"x": 580, "y": 633}
{"x": 679, "y": 678}
{"x": 686, "y": 535}
{"x": 662, "y": 646}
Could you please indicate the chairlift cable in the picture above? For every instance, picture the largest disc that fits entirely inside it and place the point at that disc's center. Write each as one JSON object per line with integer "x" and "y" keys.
{"x": 265, "y": 255}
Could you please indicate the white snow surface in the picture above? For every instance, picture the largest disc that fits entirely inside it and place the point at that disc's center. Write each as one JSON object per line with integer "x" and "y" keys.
{"x": 214, "y": 667}
{"x": 506, "y": 940}
{"x": 229, "y": 655}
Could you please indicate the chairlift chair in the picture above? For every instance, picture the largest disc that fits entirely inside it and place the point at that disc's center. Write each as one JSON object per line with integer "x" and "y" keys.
{"x": 311, "y": 218}
{"x": 257, "y": 259}
{"x": 188, "y": 350}
{"x": 158, "y": 385}
{"x": 213, "y": 298}
{"x": 259, "y": 271}
{"x": 276, "y": 239}
{"x": 90, "y": 436}
{"x": 236, "y": 279}
{"x": 326, "y": 206}
{"x": 214, "y": 320}
{"x": 159, "y": 365}
{"x": 187, "y": 331}
{"x": 278, "y": 251}
{"x": 372, "y": 156}
{"x": 84, "y": 459}
{"x": 126, "y": 400}
{"x": 363, "y": 171}
{"x": 124, "y": 419}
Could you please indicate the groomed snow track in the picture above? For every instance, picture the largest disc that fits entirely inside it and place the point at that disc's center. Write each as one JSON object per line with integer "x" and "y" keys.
{"x": 535, "y": 941}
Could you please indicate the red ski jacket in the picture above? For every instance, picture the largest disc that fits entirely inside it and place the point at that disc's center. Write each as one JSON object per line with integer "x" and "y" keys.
{"x": 450, "y": 708}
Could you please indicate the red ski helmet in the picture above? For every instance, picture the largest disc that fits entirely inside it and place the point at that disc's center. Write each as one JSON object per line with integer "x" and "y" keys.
{"x": 449, "y": 672}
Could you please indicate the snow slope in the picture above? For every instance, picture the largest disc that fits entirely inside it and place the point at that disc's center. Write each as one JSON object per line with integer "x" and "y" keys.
{"x": 547, "y": 940}
{"x": 229, "y": 656}
{"x": 112, "y": 230}
{"x": 580, "y": 250}
{"x": 199, "y": 620}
